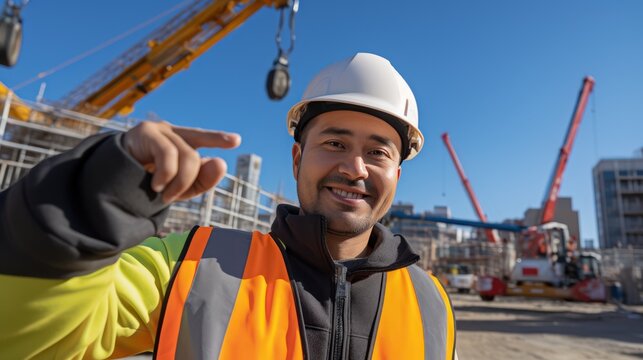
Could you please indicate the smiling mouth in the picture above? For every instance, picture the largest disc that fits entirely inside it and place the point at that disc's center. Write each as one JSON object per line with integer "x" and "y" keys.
{"x": 347, "y": 194}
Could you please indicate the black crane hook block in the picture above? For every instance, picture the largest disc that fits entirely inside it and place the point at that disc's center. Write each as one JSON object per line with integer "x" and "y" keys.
{"x": 10, "y": 33}
{"x": 278, "y": 81}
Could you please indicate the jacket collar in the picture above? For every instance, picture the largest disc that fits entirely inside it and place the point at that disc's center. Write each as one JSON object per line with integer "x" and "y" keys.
{"x": 304, "y": 237}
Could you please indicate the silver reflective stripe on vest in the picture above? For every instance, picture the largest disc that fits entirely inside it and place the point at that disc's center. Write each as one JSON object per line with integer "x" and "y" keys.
{"x": 213, "y": 294}
{"x": 434, "y": 314}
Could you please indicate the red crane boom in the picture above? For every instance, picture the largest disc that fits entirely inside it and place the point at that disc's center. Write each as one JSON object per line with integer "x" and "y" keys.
{"x": 491, "y": 235}
{"x": 549, "y": 202}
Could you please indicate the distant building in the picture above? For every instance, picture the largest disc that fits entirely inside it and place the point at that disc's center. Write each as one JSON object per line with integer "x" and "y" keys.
{"x": 618, "y": 192}
{"x": 563, "y": 213}
{"x": 246, "y": 190}
{"x": 248, "y": 169}
{"x": 442, "y": 211}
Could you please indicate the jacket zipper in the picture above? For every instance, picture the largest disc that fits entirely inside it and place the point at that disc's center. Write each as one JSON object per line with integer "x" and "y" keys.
{"x": 340, "y": 303}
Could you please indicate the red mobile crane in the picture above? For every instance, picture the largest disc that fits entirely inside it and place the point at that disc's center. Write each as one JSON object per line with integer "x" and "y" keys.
{"x": 549, "y": 202}
{"x": 536, "y": 244}
{"x": 491, "y": 235}
{"x": 552, "y": 267}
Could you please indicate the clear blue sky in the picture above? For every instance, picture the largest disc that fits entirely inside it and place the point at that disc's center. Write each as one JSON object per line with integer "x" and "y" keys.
{"x": 501, "y": 77}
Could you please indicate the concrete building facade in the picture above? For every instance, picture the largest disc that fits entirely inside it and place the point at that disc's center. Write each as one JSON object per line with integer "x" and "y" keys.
{"x": 249, "y": 169}
{"x": 618, "y": 192}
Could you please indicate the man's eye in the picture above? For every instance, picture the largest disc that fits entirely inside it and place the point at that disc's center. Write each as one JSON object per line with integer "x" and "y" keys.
{"x": 379, "y": 153}
{"x": 335, "y": 144}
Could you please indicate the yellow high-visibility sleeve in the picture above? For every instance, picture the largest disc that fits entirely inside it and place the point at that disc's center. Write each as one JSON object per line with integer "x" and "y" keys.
{"x": 113, "y": 312}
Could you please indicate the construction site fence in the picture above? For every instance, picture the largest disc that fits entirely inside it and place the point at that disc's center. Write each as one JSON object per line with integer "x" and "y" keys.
{"x": 31, "y": 132}
{"x": 481, "y": 257}
{"x": 623, "y": 267}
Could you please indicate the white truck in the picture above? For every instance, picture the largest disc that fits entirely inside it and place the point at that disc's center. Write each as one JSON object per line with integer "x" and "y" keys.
{"x": 460, "y": 278}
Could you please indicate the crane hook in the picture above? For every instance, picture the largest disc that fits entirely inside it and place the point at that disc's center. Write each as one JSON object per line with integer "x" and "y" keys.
{"x": 11, "y": 32}
{"x": 278, "y": 81}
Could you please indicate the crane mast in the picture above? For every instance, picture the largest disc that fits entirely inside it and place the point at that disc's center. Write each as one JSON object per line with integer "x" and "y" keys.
{"x": 551, "y": 196}
{"x": 117, "y": 87}
{"x": 491, "y": 235}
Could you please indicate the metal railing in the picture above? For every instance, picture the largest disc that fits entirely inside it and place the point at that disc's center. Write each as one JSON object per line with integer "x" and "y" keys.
{"x": 226, "y": 206}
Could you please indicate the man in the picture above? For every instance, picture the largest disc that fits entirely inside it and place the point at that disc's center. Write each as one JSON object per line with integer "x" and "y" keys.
{"x": 328, "y": 282}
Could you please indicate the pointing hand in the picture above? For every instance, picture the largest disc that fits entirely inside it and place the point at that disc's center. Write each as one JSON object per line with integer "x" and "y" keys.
{"x": 169, "y": 153}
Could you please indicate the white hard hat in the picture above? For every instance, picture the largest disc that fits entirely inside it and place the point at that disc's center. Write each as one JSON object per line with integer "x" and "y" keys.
{"x": 364, "y": 82}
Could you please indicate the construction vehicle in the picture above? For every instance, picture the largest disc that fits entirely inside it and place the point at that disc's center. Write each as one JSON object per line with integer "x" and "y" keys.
{"x": 550, "y": 265}
{"x": 551, "y": 195}
{"x": 460, "y": 277}
{"x": 557, "y": 274}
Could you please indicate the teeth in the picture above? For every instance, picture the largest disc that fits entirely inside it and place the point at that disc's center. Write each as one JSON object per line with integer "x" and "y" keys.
{"x": 346, "y": 194}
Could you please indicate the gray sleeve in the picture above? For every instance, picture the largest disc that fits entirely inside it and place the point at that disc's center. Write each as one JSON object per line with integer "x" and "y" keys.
{"x": 76, "y": 212}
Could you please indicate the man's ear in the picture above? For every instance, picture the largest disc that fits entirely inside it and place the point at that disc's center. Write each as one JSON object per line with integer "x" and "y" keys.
{"x": 296, "y": 159}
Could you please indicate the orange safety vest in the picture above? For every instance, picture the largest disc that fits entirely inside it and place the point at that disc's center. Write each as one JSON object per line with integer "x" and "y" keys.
{"x": 231, "y": 298}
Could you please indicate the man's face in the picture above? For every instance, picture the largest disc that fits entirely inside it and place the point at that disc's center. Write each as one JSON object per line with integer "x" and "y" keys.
{"x": 347, "y": 168}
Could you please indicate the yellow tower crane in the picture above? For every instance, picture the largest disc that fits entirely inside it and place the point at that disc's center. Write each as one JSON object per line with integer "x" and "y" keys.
{"x": 115, "y": 89}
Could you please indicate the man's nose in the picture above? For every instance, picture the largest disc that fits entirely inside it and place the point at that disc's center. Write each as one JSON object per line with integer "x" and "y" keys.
{"x": 353, "y": 167}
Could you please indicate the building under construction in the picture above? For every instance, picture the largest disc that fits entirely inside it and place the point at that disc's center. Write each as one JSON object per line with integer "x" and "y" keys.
{"x": 441, "y": 245}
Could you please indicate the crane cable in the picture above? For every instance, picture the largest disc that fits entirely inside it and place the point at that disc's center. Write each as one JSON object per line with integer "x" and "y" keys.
{"x": 105, "y": 44}
{"x": 294, "y": 7}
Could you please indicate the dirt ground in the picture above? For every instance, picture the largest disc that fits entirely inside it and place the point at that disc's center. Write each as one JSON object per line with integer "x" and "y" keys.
{"x": 524, "y": 329}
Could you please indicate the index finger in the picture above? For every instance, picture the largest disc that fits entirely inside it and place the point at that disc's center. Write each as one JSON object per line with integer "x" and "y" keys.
{"x": 197, "y": 138}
